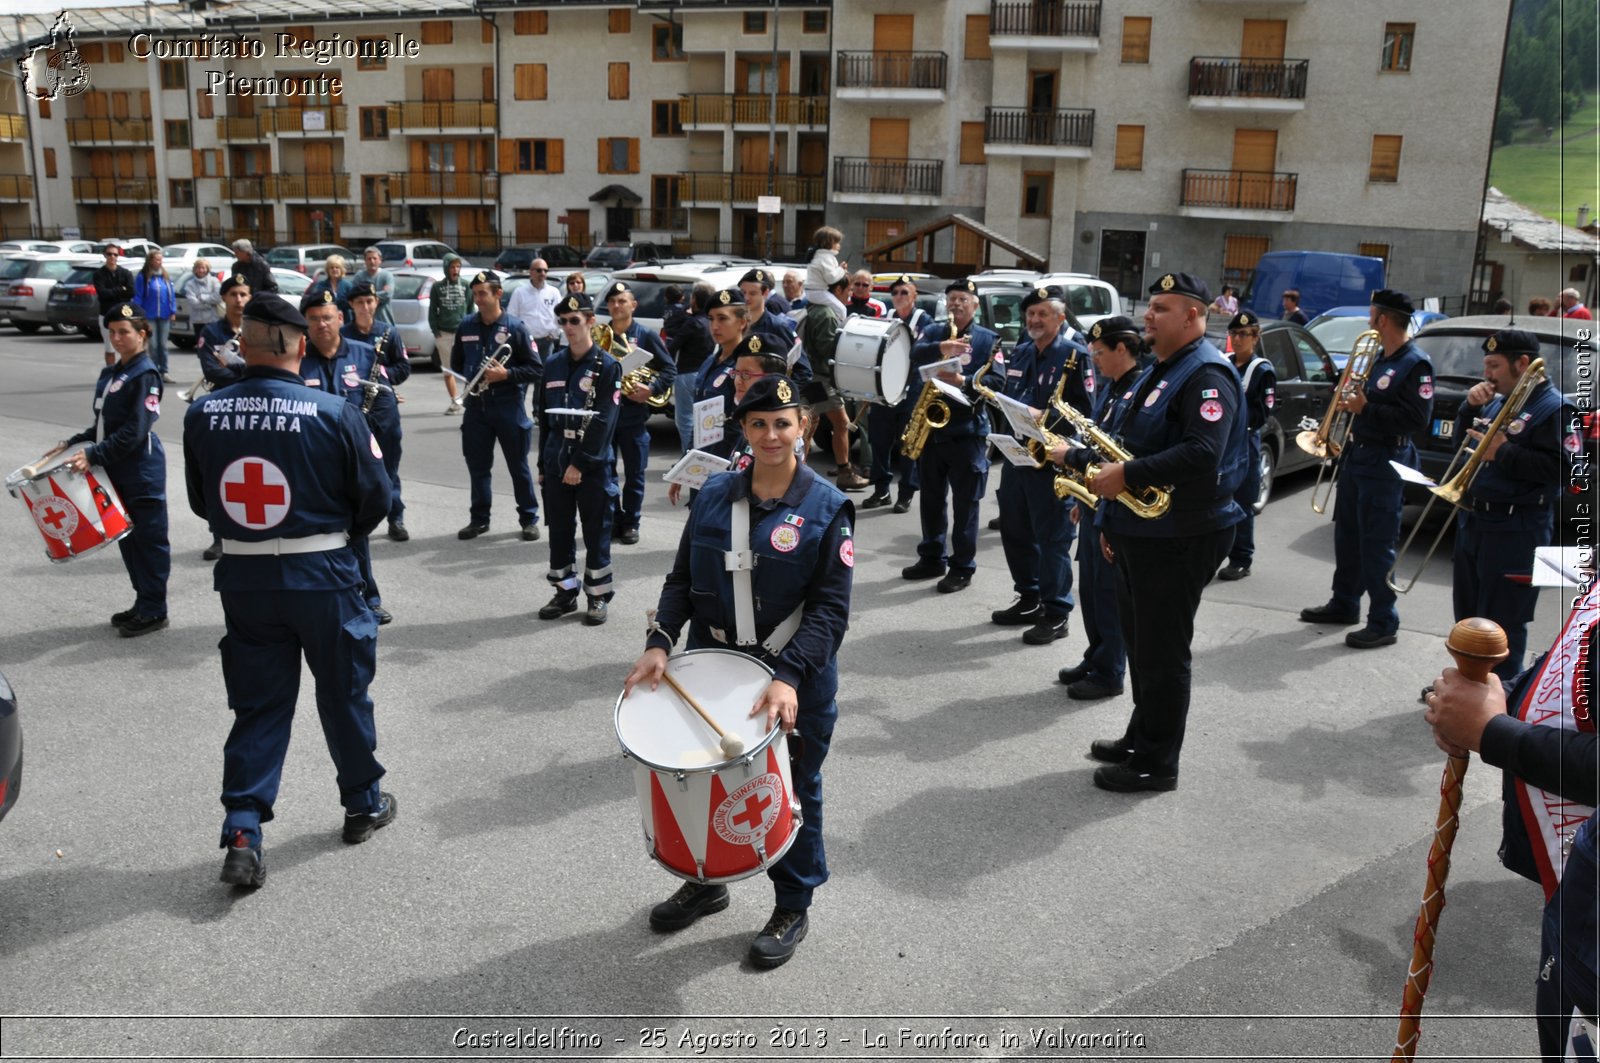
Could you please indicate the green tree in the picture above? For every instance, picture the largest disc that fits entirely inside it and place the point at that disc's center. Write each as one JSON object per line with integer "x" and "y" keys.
{"x": 1505, "y": 120}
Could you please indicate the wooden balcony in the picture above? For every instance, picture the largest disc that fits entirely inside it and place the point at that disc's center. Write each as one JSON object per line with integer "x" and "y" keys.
{"x": 255, "y": 127}
{"x": 1222, "y": 83}
{"x": 711, "y": 189}
{"x": 290, "y": 187}
{"x": 1073, "y": 25}
{"x": 114, "y": 189}
{"x": 701, "y": 110}
{"x": 861, "y": 180}
{"x": 892, "y": 75}
{"x": 13, "y": 127}
{"x": 1065, "y": 133}
{"x": 433, "y": 185}
{"x": 15, "y": 188}
{"x": 109, "y": 131}
{"x": 312, "y": 121}
{"x": 423, "y": 116}
{"x": 1237, "y": 193}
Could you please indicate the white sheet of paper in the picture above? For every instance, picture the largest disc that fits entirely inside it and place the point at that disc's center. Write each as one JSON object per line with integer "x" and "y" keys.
{"x": 1019, "y": 417}
{"x": 933, "y": 369}
{"x": 1014, "y": 452}
{"x": 1411, "y": 476}
{"x": 695, "y": 468}
{"x": 952, "y": 393}
{"x": 636, "y": 358}
{"x": 1558, "y": 566}
{"x": 708, "y": 421}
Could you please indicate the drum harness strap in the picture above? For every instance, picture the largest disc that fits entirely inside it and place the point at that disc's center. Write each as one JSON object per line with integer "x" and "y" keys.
{"x": 740, "y": 562}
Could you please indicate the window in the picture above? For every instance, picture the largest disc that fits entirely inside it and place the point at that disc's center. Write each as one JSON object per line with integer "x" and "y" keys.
{"x": 617, "y": 81}
{"x": 438, "y": 31}
{"x": 177, "y": 132}
{"x": 202, "y": 102}
{"x": 1130, "y": 148}
{"x": 370, "y": 55}
{"x": 977, "y": 46}
{"x": 666, "y": 42}
{"x": 1240, "y": 253}
{"x": 531, "y": 23}
{"x": 114, "y": 52}
{"x": 93, "y": 52}
{"x": 1376, "y": 251}
{"x": 665, "y": 120}
{"x": 1036, "y": 189}
{"x": 531, "y": 156}
{"x": 814, "y": 22}
{"x": 49, "y": 160}
{"x": 619, "y": 20}
{"x": 618, "y": 155}
{"x": 1135, "y": 39}
{"x": 180, "y": 192}
{"x": 300, "y": 35}
{"x": 530, "y": 81}
{"x": 1385, "y": 158}
{"x": 755, "y": 22}
{"x": 972, "y": 144}
{"x": 374, "y": 123}
{"x": 173, "y": 74}
{"x": 1397, "y": 38}
{"x": 488, "y": 31}
{"x": 44, "y": 108}
{"x": 208, "y": 163}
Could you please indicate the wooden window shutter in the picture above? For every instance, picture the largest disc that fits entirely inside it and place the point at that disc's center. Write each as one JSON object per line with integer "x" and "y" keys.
{"x": 438, "y": 31}
{"x": 618, "y": 81}
{"x": 44, "y": 108}
{"x": 1136, "y": 39}
{"x": 531, "y": 81}
{"x": 92, "y": 52}
{"x": 1242, "y": 252}
{"x": 1130, "y": 148}
{"x": 488, "y": 31}
{"x": 555, "y": 156}
{"x": 977, "y": 39}
{"x": 1376, "y": 251}
{"x": 633, "y": 155}
{"x": 144, "y": 103}
{"x": 621, "y": 20}
{"x": 300, "y": 34}
{"x": 1385, "y": 158}
{"x": 972, "y": 144}
{"x": 114, "y": 52}
{"x": 202, "y": 104}
{"x": 508, "y": 155}
{"x": 531, "y": 23}
{"x": 49, "y": 161}
{"x": 602, "y": 157}
{"x": 488, "y": 83}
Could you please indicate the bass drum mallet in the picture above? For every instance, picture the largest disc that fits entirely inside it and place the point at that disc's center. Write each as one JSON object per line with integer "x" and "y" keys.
{"x": 1477, "y": 646}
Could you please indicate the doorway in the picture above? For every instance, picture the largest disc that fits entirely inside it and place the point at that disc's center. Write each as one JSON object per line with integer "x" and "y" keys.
{"x": 1122, "y": 261}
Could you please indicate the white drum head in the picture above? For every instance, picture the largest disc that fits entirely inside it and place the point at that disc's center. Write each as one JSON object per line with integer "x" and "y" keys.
{"x": 659, "y": 729}
{"x": 873, "y": 360}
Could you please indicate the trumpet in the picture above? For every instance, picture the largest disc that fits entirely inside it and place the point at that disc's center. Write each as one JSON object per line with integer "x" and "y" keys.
{"x": 1328, "y": 440}
{"x": 1455, "y": 482}
{"x": 478, "y": 385}
{"x": 1148, "y": 503}
{"x": 228, "y": 356}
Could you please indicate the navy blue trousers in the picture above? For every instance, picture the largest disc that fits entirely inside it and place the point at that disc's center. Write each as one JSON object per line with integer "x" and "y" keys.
{"x": 632, "y": 443}
{"x": 1036, "y": 533}
{"x": 592, "y": 501}
{"x": 268, "y": 632}
{"x": 1366, "y": 529}
{"x": 1488, "y": 548}
{"x": 388, "y": 436}
{"x": 1106, "y": 655}
{"x": 959, "y": 468}
{"x": 362, "y": 548}
{"x": 885, "y": 426}
{"x": 146, "y": 553}
{"x": 1244, "y": 533}
{"x": 508, "y": 426}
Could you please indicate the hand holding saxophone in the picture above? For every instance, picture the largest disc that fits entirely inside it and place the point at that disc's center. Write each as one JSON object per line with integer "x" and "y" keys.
{"x": 1108, "y": 481}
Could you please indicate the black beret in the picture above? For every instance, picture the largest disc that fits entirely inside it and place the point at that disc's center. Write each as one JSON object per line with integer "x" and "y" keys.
{"x": 1185, "y": 284}
{"x": 123, "y": 312}
{"x": 232, "y": 281}
{"x": 904, "y": 278}
{"x": 616, "y": 289}
{"x": 728, "y": 297}
{"x": 768, "y": 393}
{"x": 1388, "y": 299}
{"x": 486, "y": 276}
{"x": 325, "y": 297}
{"x": 273, "y": 309}
{"x": 1512, "y": 343}
{"x": 1039, "y": 295}
{"x": 757, "y": 276}
{"x": 965, "y": 284}
{"x": 576, "y": 303}
{"x": 752, "y": 346}
{"x": 1107, "y": 329}
{"x": 1244, "y": 319}
{"x": 362, "y": 287}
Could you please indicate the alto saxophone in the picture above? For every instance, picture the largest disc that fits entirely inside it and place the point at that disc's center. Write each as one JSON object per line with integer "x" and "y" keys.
{"x": 929, "y": 413}
{"x": 1149, "y": 503}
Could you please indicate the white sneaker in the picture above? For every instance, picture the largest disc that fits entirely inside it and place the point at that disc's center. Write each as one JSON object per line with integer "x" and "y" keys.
{"x": 452, "y": 410}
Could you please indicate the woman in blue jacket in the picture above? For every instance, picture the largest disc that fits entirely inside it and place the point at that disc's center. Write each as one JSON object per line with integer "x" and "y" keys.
{"x": 153, "y": 292}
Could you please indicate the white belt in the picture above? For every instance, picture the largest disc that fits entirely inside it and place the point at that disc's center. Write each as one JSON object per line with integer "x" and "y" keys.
{"x": 775, "y": 642}
{"x": 306, "y": 544}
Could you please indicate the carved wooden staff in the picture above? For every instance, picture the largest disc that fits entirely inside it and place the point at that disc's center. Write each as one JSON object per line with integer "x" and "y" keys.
{"x": 1477, "y": 646}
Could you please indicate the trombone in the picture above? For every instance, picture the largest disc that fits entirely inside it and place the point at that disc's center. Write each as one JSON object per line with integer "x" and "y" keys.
{"x": 1456, "y": 482}
{"x": 1328, "y": 440}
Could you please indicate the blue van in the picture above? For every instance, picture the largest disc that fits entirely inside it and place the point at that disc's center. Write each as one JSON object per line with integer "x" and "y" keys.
{"x": 1325, "y": 279}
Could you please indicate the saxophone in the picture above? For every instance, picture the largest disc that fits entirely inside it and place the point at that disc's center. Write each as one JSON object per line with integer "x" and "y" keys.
{"x": 1149, "y": 503}
{"x": 930, "y": 412}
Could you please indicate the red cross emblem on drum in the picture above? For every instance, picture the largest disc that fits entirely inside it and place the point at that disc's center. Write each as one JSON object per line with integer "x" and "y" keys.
{"x": 255, "y": 493}
{"x": 748, "y": 813}
{"x": 56, "y": 517}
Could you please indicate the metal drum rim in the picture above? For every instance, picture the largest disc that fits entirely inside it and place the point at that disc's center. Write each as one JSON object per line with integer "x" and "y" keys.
{"x": 704, "y": 769}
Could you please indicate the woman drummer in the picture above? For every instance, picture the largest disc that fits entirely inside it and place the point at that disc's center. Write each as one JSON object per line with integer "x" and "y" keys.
{"x": 800, "y": 536}
{"x": 127, "y": 404}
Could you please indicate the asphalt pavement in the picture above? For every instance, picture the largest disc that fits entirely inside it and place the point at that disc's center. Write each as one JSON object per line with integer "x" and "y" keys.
{"x": 980, "y": 881}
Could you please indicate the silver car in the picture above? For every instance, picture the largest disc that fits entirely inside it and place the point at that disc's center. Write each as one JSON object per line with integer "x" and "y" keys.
{"x": 292, "y": 284}
{"x": 25, "y": 283}
{"x": 413, "y": 255}
{"x": 409, "y": 308}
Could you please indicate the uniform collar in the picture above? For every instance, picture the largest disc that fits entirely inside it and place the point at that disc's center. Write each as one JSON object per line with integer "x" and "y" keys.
{"x": 1179, "y": 355}
{"x": 803, "y": 476}
{"x": 271, "y": 372}
{"x": 140, "y": 363}
{"x": 313, "y": 352}
{"x": 1129, "y": 376}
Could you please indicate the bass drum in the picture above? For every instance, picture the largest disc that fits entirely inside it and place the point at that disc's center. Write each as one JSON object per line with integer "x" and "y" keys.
{"x": 873, "y": 362}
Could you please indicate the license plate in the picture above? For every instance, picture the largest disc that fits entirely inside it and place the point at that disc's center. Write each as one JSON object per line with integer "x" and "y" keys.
{"x": 1444, "y": 429}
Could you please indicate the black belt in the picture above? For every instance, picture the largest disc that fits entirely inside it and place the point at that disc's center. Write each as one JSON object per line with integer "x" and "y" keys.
{"x": 1505, "y": 509}
{"x": 1392, "y": 442}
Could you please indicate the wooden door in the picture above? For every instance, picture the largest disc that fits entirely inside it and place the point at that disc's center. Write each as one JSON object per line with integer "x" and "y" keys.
{"x": 813, "y": 160}
{"x": 533, "y": 225}
{"x": 96, "y": 104}
{"x": 438, "y": 84}
{"x": 752, "y": 75}
{"x": 578, "y": 229}
{"x": 1255, "y": 153}
{"x": 1263, "y": 38}
{"x": 1041, "y": 90}
{"x": 319, "y": 157}
{"x": 888, "y": 148}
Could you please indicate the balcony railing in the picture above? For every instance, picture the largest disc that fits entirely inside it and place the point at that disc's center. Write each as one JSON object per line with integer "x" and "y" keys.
{"x": 728, "y": 109}
{"x": 432, "y": 184}
{"x": 378, "y": 214}
{"x": 287, "y": 186}
{"x": 255, "y": 127}
{"x": 1073, "y": 128}
{"x": 888, "y": 177}
{"x": 307, "y": 119}
{"x": 109, "y": 130}
{"x": 13, "y": 127}
{"x": 441, "y": 114}
{"x": 793, "y": 188}
{"x": 117, "y": 189}
{"x": 1239, "y": 189}
{"x": 14, "y": 187}
{"x": 660, "y": 219}
{"x": 892, "y": 70}
{"x": 1282, "y": 79}
{"x": 1073, "y": 19}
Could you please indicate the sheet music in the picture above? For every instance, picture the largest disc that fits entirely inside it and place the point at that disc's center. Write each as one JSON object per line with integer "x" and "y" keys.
{"x": 1014, "y": 452}
{"x": 708, "y": 422}
{"x": 695, "y": 468}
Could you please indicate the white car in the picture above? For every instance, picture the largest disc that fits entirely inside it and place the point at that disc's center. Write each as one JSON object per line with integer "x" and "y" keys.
{"x": 180, "y": 258}
{"x": 1088, "y": 297}
{"x": 25, "y": 283}
{"x": 50, "y": 247}
{"x": 292, "y": 284}
{"x": 413, "y": 255}
{"x": 133, "y": 246}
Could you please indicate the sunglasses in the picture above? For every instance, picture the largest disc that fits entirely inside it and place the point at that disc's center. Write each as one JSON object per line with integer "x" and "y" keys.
{"x": 538, "y": 270}
{"x": 570, "y": 320}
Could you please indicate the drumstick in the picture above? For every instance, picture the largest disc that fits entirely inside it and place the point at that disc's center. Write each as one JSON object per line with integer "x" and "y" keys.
{"x": 732, "y": 745}
{"x": 1477, "y": 646}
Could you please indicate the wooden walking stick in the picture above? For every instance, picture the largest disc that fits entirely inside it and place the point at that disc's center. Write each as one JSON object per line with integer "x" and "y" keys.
{"x": 1477, "y": 646}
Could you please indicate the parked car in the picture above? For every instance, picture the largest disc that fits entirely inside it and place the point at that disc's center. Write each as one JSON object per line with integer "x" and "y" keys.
{"x": 132, "y": 246}
{"x": 1323, "y": 279}
{"x": 51, "y": 247}
{"x": 291, "y": 285}
{"x": 306, "y": 258}
{"x": 999, "y": 303}
{"x": 178, "y": 258}
{"x": 648, "y": 281}
{"x": 25, "y": 285}
{"x": 73, "y": 305}
{"x": 414, "y": 254}
{"x": 1306, "y": 376}
{"x": 620, "y": 254}
{"x": 1337, "y": 329}
{"x": 556, "y": 256}
{"x": 409, "y": 308}
{"x": 10, "y": 748}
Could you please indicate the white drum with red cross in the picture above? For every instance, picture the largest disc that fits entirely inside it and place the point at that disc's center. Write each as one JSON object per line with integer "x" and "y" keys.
{"x": 76, "y": 513}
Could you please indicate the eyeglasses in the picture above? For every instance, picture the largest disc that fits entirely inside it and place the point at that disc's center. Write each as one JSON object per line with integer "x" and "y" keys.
{"x": 747, "y": 375}
{"x": 536, "y": 269}
{"x": 570, "y": 320}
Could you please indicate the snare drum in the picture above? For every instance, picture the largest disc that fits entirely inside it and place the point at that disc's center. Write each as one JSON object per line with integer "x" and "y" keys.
{"x": 708, "y": 818}
{"x": 75, "y": 514}
{"x": 873, "y": 362}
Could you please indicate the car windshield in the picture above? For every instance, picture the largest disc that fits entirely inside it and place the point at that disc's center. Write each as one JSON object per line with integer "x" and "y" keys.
{"x": 1459, "y": 356}
{"x": 54, "y": 270}
{"x": 1338, "y": 333}
{"x": 16, "y": 267}
{"x": 515, "y": 258}
{"x": 1086, "y": 299}
{"x": 407, "y": 287}
{"x": 392, "y": 252}
{"x": 79, "y": 276}
{"x": 292, "y": 283}
{"x": 283, "y": 256}
{"x": 648, "y": 294}
{"x": 1002, "y": 311}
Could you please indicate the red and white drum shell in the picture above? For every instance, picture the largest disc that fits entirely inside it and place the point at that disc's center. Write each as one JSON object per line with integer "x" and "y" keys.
{"x": 75, "y": 514}
{"x": 708, "y": 818}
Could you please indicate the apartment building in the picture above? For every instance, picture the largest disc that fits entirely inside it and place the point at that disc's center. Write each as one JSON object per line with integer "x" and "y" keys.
{"x": 1116, "y": 137}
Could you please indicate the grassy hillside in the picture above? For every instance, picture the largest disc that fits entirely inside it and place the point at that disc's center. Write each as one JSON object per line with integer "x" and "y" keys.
{"x": 1553, "y": 175}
